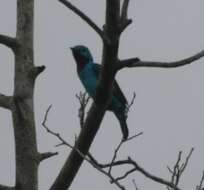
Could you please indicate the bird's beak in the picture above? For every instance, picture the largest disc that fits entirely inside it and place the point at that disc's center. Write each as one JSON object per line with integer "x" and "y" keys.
{"x": 72, "y": 48}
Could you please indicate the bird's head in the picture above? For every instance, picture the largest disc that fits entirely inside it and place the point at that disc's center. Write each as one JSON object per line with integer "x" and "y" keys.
{"x": 82, "y": 55}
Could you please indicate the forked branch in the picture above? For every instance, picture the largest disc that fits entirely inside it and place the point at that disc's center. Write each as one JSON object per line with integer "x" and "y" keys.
{"x": 64, "y": 142}
{"x": 179, "y": 168}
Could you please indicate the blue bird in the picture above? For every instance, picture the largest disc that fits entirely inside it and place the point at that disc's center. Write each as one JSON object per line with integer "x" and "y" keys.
{"x": 88, "y": 73}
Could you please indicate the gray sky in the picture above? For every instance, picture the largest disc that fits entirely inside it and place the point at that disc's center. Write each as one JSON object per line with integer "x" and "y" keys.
{"x": 169, "y": 105}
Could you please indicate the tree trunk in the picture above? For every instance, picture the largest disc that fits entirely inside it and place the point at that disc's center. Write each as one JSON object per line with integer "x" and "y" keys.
{"x": 27, "y": 158}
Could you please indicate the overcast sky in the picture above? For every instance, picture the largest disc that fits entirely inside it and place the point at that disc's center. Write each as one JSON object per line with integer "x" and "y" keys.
{"x": 169, "y": 105}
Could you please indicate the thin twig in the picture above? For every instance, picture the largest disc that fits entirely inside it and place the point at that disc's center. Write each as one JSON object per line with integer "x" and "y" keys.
{"x": 118, "y": 148}
{"x": 179, "y": 168}
{"x": 115, "y": 155}
{"x": 131, "y": 103}
{"x": 135, "y": 185}
{"x": 122, "y": 162}
{"x": 126, "y": 174}
{"x": 83, "y": 100}
{"x": 64, "y": 142}
{"x": 200, "y": 186}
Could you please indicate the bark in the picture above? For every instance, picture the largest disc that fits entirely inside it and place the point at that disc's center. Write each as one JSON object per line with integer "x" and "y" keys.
{"x": 27, "y": 157}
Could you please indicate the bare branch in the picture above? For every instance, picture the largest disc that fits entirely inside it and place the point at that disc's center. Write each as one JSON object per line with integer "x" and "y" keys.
{"x": 179, "y": 168}
{"x": 115, "y": 155}
{"x": 136, "y": 167}
{"x": 151, "y": 176}
{"x": 183, "y": 166}
{"x": 118, "y": 148}
{"x": 126, "y": 174}
{"x": 83, "y": 100}
{"x": 64, "y": 142}
{"x": 135, "y": 185}
{"x": 135, "y": 62}
{"x": 131, "y": 103}
{"x": 46, "y": 155}
{"x": 3, "y": 187}
{"x": 8, "y": 41}
{"x": 6, "y": 101}
{"x": 86, "y": 19}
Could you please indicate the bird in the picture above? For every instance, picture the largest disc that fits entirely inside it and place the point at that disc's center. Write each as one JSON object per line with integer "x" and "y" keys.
{"x": 89, "y": 73}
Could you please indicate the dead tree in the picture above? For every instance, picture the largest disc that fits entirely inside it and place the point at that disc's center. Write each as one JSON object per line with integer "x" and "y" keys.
{"x": 20, "y": 103}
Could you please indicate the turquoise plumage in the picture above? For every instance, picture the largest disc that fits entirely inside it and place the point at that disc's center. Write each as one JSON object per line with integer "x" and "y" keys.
{"x": 88, "y": 73}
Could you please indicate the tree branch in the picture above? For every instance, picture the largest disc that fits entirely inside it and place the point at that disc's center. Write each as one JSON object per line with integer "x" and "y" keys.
{"x": 135, "y": 185}
{"x": 8, "y": 41}
{"x": 179, "y": 168}
{"x": 3, "y": 187}
{"x": 6, "y": 101}
{"x": 135, "y": 62}
{"x": 149, "y": 175}
{"x": 64, "y": 142}
{"x": 86, "y": 19}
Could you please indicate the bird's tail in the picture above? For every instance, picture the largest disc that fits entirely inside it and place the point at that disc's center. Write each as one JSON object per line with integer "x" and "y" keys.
{"x": 123, "y": 125}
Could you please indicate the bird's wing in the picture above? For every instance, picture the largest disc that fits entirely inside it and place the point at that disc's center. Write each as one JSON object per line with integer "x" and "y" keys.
{"x": 97, "y": 69}
{"x": 117, "y": 92}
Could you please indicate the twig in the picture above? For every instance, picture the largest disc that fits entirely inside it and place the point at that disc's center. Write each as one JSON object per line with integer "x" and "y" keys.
{"x": 64, "y": 142}
{"x": 115, "y": 155}
{"x": 122, "y": 162}
{"x": 178, "y": 168}
{"x": 150, "y": 176}
{"x": 183, "y": 167}
{"x": 126, "y": 174}
{"x": 118, "y": 148}
{"x": 200, "y": 186}
{"x": 133, "y": 62}
{"x": 131, "y": 103}
{"x": 83, "y": 100}
{"x": 86, "y": 19}
{"x": 135, "y": 185}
